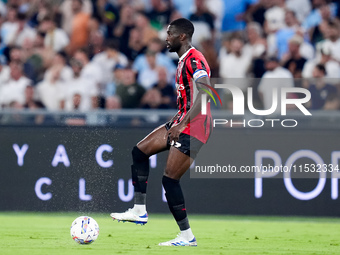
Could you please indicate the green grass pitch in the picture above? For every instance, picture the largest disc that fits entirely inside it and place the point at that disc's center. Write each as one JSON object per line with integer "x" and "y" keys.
{"x": 49, "y": 233}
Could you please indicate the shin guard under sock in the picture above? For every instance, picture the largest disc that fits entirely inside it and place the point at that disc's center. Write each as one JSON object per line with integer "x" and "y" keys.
{"x": 140, "y": 174}
{"x": 175, "y": 198}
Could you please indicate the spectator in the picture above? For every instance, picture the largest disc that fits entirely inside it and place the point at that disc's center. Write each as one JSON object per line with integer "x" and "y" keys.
{"x": 234, "y": 14}
{"x": 256, "y": 45}
{"x": 23, "y": 5}
{"x": 148, "y": 76}
{"x": 293, "y": 61}
{"x": 2, "y": 45}
{"x": 320, "y": 10}
{"x": 3, "y": 9}
{"x": 50, "y": 89}
{"x": 4, "y": 74}
{"x": 202, "y": 15}
{"x": 320, "y": 90}
{"x": 113, "y": 103}
{"x": 278, "y": 41}
{"x": 118, "y": 73}
{"x": 183, "y": 7}
{"x": 77, "y": 98}
{"x": 125, "y": 24}
{"x": 319, "y": 32}
{"x": 332, "y": 67}
{"x": 37, "y": 58}
{"x": 332, "y": 42}
{"x": 142, "y": 23}
{"x": 256, "y": 48}
{"x": 235, "y": 64}
{"x": 67, "y": 11}
{"x": 275, "y": 77}
{"x": 109, "y": 59}
{"x": 21, "y": 32}
{"x": 107, "y": 14}
{"x": 91, "y": 72}
{"x": 160, "y": 14}
{"x": 30, "y": 34}
{"x": 136, "y": 46}
{"x": 129, "y": 91}
{"x": 284, "y": 34}
{"x": 156, "y": 45}
{"x": 274, "y": 21}
{"x": 275, "y": 16}
{"x": 301, "y": 7}
{"x": 55, "y": 38}
{"x": 30, "y": 100}
{"x": 14, "y": 89}
{"x": 10, "y": 24}
{"x": 59, "y": 71}
{"x": 216, "y": 8}
{"x": 152, "y": 99}
{"x": 80, "y": 27}
{"x": 79, "y": 93}
{"x": 39, "y": 10}
{"x": 96, "y": 43}
{"x": 16, "y": 54}
{"x": 167, "y": 92}
{"x": 258, "y": 11}
{"x": 210, "y": 55}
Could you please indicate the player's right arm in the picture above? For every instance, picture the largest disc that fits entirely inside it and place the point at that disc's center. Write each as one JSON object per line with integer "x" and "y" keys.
{"x": 174, "y": 118}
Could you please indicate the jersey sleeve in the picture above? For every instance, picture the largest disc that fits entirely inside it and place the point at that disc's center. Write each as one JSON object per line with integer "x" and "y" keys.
{"x": 197, "y": 68}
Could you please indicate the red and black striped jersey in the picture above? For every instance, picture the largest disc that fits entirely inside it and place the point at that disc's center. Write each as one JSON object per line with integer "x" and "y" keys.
{"x": 191, "y": 66}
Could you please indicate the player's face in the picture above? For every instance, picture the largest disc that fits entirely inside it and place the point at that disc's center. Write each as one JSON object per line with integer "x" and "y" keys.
{"x": 173, "y": 42}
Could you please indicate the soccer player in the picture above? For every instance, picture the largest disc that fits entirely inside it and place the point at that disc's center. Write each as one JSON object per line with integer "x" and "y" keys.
{"x": 183, "y": 135}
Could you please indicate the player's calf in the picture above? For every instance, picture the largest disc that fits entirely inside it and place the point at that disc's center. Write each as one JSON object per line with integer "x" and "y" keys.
{"x": 175, "y": 198}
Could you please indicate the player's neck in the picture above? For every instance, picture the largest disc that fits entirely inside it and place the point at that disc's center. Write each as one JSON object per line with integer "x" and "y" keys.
{"x": 183, "y": 49}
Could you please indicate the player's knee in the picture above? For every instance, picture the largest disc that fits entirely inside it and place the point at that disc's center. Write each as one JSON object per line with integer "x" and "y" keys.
{"x": 168, "y": 181}
{"x": 170, "y": 174}
{"x": 173, "y": 193}
{"x": 138, "y": 155}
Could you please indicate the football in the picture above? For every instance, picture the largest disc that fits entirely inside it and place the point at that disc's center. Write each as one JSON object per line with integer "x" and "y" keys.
{"x": 84, "y": 230}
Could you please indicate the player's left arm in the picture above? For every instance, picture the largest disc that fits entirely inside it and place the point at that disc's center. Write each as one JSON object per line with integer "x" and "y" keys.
{"x": 174, "y": 132}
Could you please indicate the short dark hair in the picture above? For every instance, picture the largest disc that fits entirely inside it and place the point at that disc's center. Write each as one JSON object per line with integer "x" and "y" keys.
{"x": 112, "y": 44}
{"x": 292, "y": 12}
{"x": 21, "y": 16}
{"x": 62, "y": 54}
{"x": 80, "y": 1}
{"x": 184, "y": 26}
{"x": 333, "y": 24}
{"x": 272, "y": 59}
{"x": 322, "y": 68}
{"x": 84, "y": 51}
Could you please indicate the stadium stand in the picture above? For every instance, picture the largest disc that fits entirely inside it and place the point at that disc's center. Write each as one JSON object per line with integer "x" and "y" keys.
{"x": 83, "y": 55}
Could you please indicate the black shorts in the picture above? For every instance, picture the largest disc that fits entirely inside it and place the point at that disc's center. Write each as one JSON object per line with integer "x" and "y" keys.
{"x": 187, "y": 144}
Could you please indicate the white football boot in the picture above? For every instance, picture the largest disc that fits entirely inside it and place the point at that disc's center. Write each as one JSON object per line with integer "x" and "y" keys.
{"x": 130, "y": 216}
{"x": 179, "y": 241}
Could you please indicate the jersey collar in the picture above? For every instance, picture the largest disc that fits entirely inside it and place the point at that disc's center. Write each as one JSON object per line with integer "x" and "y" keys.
{"x": 185, "y": 54}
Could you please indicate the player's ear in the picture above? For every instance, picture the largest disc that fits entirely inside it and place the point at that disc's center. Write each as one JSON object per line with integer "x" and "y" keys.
{"x": 182, "y": 36}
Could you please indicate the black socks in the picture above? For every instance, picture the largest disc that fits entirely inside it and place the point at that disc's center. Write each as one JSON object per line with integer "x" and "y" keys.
{"x": 140, "y": 174}
{"x": 174, "y": 195}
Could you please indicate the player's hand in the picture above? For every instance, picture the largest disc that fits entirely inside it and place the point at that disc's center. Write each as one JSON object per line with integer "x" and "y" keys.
{"x": 174, "y": 132}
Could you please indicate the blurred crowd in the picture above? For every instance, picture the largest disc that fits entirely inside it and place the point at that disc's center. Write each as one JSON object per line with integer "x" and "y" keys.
{"x": 90, "y": 54}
